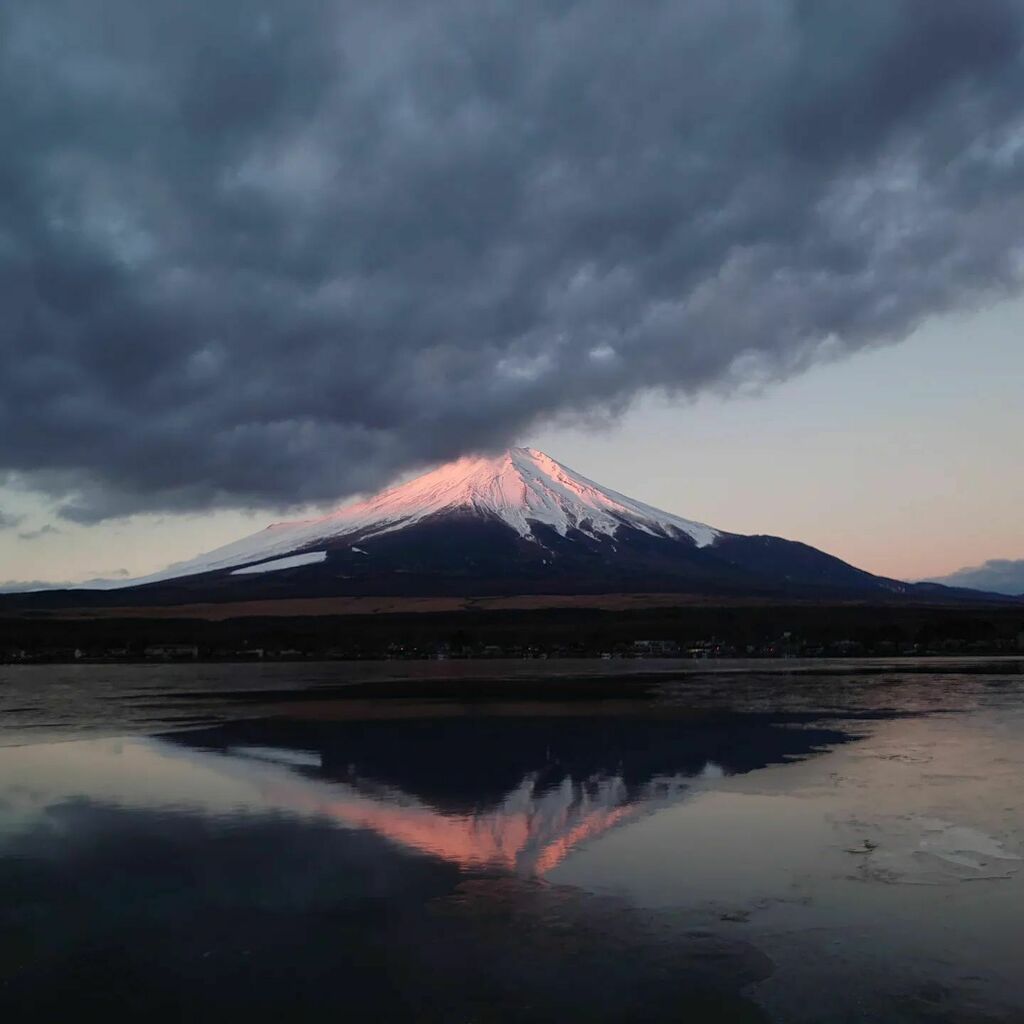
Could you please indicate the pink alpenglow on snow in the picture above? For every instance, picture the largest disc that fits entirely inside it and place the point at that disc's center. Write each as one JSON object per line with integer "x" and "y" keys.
{"x": 522, "y": 487}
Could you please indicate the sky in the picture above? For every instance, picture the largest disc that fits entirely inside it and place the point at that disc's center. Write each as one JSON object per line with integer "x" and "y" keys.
{"x": 756, "y": 262}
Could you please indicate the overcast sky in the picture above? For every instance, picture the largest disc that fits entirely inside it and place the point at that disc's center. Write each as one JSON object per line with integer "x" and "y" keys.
{"x": 266, "y": 254}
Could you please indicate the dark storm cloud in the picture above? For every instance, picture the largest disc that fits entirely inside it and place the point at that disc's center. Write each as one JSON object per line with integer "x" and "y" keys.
{"x": 259, "y": 253}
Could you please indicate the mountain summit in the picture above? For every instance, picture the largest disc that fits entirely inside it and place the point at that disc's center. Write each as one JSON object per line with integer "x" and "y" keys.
{"x": 523, "y": 488}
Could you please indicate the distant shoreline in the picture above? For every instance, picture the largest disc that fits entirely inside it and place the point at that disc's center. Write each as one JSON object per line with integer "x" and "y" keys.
{"x": 395, "y": 605}
{"x": 638, "y": 627}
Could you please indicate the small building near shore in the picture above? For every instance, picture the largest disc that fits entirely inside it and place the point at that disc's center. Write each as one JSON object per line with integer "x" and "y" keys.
{"x": 172, "y": 652}
{"x": 655, "y": 648}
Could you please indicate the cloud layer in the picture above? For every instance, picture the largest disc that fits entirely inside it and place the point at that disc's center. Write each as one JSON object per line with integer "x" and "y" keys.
{"x": 265, "y": 253}
{"x": 8, "y": 520}
{"x": 998, "y": 575}
{"x": 47, "y": 530}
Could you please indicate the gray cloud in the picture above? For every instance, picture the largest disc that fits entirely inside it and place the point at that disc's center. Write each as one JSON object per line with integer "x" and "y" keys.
{"x": 102, "y": 581}
{"x": 998, "y": 575}
{"x": 44, "y": 531}
{"x": 257, "y": 254}
{"x": 8, "y": 521}
{"x": 25, "y": 586}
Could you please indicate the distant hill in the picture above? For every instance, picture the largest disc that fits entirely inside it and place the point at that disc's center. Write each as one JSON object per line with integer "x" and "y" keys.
{"x": 998, "y": 575}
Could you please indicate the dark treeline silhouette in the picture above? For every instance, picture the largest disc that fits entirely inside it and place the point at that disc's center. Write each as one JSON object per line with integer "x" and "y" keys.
{"x": 768, "y": 630}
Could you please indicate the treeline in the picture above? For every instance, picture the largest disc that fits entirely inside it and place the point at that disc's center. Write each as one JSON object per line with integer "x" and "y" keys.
{"x": 716, "y": 631}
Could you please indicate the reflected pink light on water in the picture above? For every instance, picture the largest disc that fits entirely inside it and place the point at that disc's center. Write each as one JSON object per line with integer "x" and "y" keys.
{"x": 532, "y": 838}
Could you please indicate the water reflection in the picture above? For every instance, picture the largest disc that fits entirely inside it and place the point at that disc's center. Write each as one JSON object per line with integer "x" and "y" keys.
{"x": 439, "y": 862}
{"x": 512, "y": 792}
{"x": 516, "y": 792}
{"x": 286, "y": 868}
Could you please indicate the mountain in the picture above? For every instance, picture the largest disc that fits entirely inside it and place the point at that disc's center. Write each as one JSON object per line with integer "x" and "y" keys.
{"x": 997, "y": 575}
{"x": 517, "y": 523}
{"x": 523, "y": 497}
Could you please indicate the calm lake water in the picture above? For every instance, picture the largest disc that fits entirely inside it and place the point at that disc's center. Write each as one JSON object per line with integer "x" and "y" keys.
{"x": 452, "y": 842}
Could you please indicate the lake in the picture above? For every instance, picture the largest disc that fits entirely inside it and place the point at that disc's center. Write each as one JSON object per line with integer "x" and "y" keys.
{"x": 514, "y": 841}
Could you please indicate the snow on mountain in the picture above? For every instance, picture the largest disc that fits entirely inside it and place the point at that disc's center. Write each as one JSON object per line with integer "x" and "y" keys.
{"x": 290, "y": 562}
{"x": 521, "y": 487}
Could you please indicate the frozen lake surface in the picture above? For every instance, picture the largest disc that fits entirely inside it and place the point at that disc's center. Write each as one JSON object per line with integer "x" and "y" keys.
{"x": 787, "y": 841}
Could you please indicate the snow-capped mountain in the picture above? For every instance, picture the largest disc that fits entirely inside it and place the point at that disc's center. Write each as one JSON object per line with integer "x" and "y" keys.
{"x": 523, "y": 488}
{"x": 518, "y": 523}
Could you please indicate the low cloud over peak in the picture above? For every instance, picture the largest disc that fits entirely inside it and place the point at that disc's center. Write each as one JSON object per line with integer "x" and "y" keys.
{"x": 261, "y": 255}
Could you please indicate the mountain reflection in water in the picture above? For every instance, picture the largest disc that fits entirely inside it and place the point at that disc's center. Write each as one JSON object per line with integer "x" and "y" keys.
{"x": 389, "y": 860}
{"x": 516, "y": 793}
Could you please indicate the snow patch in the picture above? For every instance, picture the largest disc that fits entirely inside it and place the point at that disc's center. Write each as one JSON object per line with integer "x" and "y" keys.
{"x": 278, "y": 755}
{"x": 309, "y": 558}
